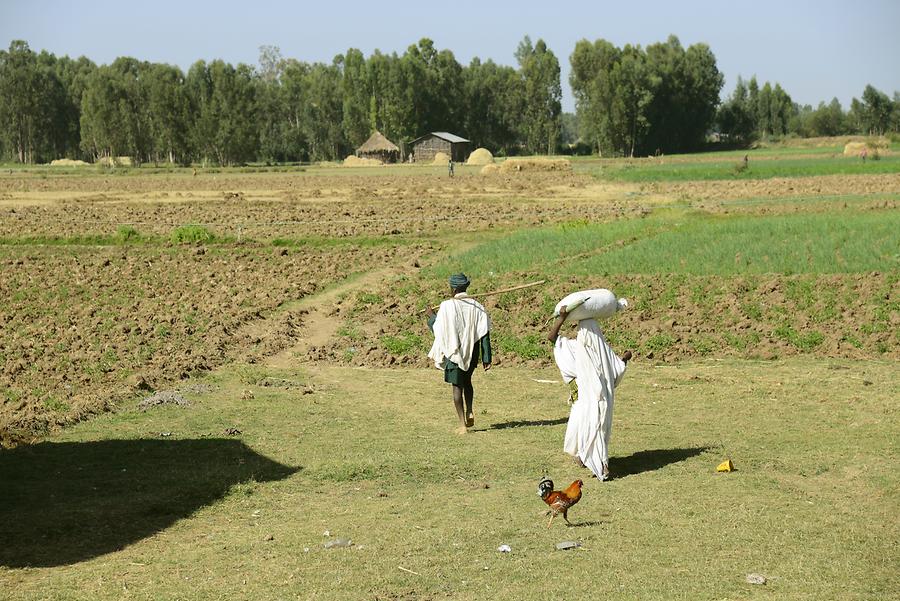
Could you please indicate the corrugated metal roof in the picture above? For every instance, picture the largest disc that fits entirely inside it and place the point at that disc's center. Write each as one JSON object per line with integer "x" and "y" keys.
{"x": 452, "y": 138}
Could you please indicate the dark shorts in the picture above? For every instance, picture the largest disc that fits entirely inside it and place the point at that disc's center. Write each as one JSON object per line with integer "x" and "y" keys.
{"x": 459, "y": 377}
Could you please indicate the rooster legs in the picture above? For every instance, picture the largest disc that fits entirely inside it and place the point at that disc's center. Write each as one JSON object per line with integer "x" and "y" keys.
{"x": 552, "y": 515}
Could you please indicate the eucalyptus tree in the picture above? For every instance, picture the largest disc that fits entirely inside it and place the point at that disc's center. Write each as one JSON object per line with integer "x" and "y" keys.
{"x": 115, "y": 117}
{"x": 542, "y": 96}
{"x": 169, "y": 113}
{"x": 32, "y": 104}
{"x": 355, "y": 97}
{"x": 322, "y": 112}
{"x": 492, "y": 102}
{"x": 223, "y": 100}
{"x": 876, "y": 111}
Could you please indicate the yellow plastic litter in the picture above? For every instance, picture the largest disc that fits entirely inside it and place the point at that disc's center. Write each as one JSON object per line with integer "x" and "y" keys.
{"x": 725, "y": 466}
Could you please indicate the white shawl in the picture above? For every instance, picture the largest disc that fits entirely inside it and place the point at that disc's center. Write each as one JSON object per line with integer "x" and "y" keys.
{"x": 597, "y": 370}
{"x": 461, "y": 322}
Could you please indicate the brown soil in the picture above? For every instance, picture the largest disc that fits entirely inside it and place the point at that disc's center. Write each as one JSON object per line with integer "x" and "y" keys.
{"x": 88, "y": 326}
{"x": 83, "y": 327}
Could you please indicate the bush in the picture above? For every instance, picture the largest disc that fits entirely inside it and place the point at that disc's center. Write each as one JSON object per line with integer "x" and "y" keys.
{"x": 192, "y": 234}
{"x": 127, "y": 233}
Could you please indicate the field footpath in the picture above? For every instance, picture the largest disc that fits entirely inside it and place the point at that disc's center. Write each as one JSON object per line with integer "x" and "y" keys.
{"x": 319, "y": 322}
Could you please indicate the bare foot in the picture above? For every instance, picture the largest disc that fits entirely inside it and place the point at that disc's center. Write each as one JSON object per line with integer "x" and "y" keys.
{"x": 461, "y": 430}
{"x": 578, "y": 462}
{"x": 626, "y": 356}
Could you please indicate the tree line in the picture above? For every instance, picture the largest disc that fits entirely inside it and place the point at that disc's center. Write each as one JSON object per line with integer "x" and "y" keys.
{"x": 629, "y": 101}
{"x": 754, "y": 113}
{"x": 281, "y": 110}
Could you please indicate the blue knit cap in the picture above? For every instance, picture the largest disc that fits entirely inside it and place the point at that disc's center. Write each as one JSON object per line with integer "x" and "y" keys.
{"x": 459, "y": 280}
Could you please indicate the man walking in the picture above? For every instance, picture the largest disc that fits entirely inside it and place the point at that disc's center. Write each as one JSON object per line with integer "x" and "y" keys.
{"x": 461, "y": 337}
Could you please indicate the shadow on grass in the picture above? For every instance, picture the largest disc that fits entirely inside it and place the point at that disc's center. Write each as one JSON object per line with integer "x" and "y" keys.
{"x": 538, "y": 422}
{"x": 584, "y": 524}
{"x": 62, "y": 503}
{"x": 648, "y": 461}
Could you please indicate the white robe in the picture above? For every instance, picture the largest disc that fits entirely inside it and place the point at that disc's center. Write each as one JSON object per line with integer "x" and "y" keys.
{"x": 597, "y": 370}
{"x": 461, "y": 322}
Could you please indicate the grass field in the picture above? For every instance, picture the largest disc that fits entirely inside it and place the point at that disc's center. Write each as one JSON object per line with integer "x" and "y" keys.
{"x": 764, "y": 168}
{"x": 282, "y": 304}
{"x": 162, "y": 504}
{"x": 698, "y": 243}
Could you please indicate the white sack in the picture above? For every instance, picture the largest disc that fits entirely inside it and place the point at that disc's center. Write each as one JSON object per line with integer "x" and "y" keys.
{"x": 594, "y": 304}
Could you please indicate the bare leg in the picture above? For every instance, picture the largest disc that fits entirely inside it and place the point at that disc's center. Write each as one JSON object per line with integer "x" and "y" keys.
{"x": 460, "y": 410}
{"x": 469, "y": 394}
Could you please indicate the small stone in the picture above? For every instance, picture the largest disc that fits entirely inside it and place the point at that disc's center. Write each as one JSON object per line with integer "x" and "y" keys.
{"x": 338, "y": 543}
{"x": 756, "y": 579}
{"x": 269, "y": 537}
{"x": 504, "y": 549}
{"x": 566, "y": 545}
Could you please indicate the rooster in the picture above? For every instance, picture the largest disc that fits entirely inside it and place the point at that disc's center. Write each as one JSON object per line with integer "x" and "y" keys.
{"x": 559, "y": 501}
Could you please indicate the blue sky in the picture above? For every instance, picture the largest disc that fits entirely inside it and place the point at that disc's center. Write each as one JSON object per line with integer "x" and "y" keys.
{"x": 815, "y": 49}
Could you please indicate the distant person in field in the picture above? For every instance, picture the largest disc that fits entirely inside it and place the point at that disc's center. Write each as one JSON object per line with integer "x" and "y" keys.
{"x": 450, "y": 167}
{"x": 462, "y": 338}
{"x": 863, "y": 154}
{"x": 593, "y": 371}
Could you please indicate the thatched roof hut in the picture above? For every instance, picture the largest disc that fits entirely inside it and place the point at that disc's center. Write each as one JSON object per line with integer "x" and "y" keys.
{"x": 380, "y": 148}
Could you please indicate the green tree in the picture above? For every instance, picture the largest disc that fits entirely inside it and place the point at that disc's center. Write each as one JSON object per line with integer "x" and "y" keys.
{"x": 168, "y": 109}
{"x": 490, "y": 95}
{"x": 876, "y": 111}
{"x": 32, "y": 104}
{"x": 828, "y": 119}
{"x": 594, "y": 92}
{"x": 542, "y": 96}
{"x": 223, "y": 98}
{"x": 356, "y": 98}
{"x": 322, "y": 115}
{"x": 736, "y": 118}
{"x": 115, "y": 118}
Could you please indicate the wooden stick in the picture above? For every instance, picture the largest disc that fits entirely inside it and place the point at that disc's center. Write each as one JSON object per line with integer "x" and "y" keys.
{"x": 495, "y": 292}
{"x": 407, "y": 570}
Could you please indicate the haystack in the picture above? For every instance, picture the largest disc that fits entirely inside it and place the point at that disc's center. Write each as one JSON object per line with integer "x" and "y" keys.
{"x": 67, "y": 163}
{"x": 535, "y": 164}
{"x": 481, "y": 156}
{"x": 490, "y": 168}
{"x": 441, "y": 158}
{"x": 854, "y": 148}
{"x": 879, "y": 146}
{"x": 379, "y": 148}
{"x": 114, "y": 161}
{"x": 354, "y": 161}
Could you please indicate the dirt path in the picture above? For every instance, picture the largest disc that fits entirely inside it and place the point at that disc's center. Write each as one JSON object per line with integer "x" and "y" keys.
{"x": 319, "y": 325}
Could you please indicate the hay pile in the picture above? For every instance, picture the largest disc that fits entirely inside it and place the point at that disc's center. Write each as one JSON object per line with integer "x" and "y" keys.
{"x": 490, "y": 168}
{"x": 531, "y": 164}
{"x": 67, "y": 163}
{"x": 480, "y": 156}
{"x": 115, "y": 161}
{"x": 355, "y": 161}
{"x": 879, "y": 146}
{"x": 441, "y": 158}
